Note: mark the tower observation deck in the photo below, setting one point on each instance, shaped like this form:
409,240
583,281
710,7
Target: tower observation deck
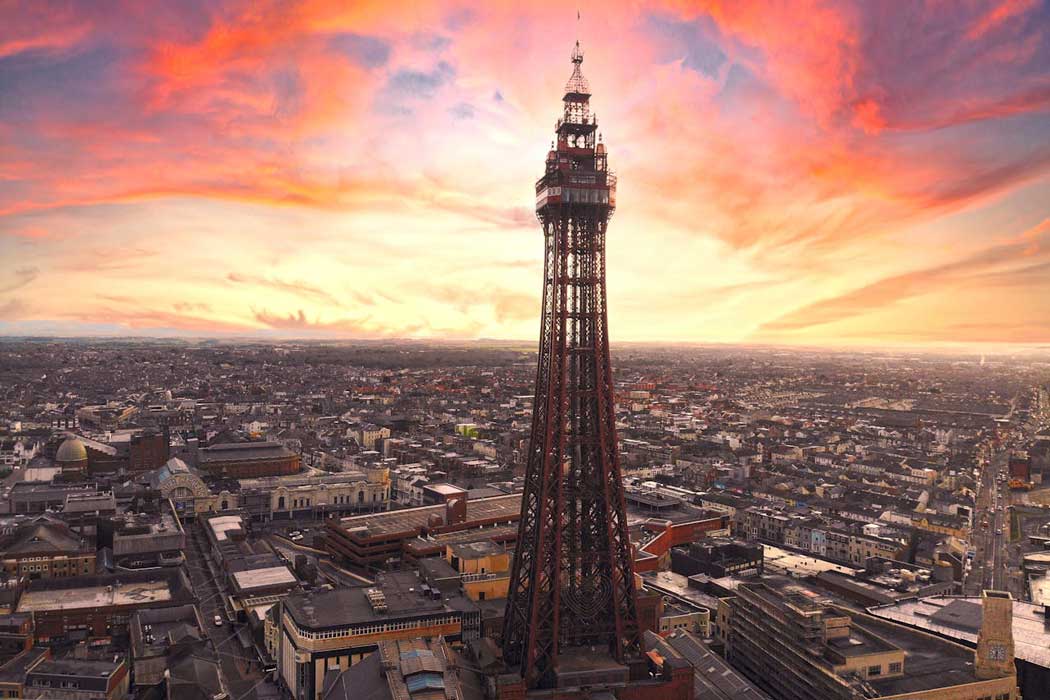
571,618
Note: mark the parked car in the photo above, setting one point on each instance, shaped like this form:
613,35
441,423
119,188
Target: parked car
218,621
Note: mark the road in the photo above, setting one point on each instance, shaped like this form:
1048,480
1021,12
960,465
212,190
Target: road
240,669
994,563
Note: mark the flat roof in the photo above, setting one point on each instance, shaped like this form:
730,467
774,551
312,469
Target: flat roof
1040,589
795,564
262,578
929,664
95,597
223,524
445,489
477,549
410,520
959,618
402,592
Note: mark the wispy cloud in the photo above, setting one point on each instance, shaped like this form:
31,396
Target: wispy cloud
1020,262
296,288
18,278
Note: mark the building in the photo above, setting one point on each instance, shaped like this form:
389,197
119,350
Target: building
675,617
246,460
405,669
30,497
46,547
169,645
78,679
148,450
483,567
72,458
960,618
100,606
13,671
182,486
16,635
141,540
713,678
717,558
797,646
256,577
1020,466
318,494
102,457
322,631
380,540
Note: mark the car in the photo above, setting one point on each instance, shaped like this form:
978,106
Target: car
218,621
999,531
296,537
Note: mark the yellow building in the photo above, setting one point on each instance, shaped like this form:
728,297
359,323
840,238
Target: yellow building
484,568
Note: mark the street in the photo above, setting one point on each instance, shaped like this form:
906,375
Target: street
995,561
240,669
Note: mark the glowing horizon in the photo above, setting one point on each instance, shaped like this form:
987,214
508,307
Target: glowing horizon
811,173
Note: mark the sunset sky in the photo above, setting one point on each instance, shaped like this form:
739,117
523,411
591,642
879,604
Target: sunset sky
843,173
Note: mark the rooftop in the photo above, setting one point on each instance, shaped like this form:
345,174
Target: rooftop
350,606
95,597
476,549
411,520
959,618
713,678
929,663
298,480
240,451
264,578
223,524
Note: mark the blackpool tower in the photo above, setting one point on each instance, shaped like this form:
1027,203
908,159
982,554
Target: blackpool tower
571,608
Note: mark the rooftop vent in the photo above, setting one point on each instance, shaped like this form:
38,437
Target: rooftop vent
377,600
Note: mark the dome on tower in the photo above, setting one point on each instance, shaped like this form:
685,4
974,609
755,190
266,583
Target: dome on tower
71,450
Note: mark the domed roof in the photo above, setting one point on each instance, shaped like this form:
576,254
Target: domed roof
71,450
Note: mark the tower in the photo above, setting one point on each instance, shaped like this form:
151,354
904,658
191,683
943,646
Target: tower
572,591
994,657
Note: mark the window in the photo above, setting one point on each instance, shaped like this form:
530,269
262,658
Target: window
874,670
895,667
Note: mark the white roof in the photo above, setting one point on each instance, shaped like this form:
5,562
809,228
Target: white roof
221,525
262,578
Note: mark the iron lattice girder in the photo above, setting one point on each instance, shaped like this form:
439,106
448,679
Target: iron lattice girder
572,582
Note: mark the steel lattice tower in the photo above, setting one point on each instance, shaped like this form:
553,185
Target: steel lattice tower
572,583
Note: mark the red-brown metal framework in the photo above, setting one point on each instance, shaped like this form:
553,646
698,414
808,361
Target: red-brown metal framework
572,582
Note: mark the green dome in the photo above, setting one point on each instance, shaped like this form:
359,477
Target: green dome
71,450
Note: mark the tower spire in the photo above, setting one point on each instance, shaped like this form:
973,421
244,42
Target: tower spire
577,84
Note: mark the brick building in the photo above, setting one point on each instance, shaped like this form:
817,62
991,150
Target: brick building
246,460
100,606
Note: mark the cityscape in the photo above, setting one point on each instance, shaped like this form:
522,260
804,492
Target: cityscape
834,497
